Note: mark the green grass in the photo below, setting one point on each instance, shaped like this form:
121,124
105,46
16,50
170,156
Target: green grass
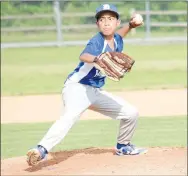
44,70
16,139
69,36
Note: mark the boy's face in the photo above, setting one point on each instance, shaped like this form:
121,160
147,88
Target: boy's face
107,23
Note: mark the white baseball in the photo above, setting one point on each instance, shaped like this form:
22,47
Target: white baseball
138,19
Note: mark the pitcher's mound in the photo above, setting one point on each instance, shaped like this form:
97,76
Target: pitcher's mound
96,161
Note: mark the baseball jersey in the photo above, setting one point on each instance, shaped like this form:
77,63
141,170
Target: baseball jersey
86,73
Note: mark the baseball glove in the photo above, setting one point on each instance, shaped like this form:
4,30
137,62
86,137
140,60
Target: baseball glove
114,65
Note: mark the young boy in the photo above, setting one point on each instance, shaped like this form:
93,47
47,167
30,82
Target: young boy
82,89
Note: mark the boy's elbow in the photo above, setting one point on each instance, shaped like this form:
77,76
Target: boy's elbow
81,59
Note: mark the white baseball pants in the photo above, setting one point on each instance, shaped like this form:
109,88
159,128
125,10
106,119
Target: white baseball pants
77,98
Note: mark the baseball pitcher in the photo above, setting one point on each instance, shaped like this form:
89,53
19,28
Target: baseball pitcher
102,58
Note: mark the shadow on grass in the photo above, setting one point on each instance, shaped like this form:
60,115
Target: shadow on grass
61,156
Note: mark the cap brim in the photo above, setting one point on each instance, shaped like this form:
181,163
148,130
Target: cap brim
99,13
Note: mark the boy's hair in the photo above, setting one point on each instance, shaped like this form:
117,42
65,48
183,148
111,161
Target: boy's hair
99,15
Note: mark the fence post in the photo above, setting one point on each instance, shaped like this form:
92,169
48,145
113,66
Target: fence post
133,30
148,27
58,21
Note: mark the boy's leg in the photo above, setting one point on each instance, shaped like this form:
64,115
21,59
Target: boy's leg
77,98
117,108
76,101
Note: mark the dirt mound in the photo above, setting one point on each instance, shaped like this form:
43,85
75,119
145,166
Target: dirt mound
96,161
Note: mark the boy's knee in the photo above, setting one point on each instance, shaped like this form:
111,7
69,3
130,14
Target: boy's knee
134,112
131,113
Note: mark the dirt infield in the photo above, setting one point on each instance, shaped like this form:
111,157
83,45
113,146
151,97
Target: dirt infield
43,108
96,161
93,161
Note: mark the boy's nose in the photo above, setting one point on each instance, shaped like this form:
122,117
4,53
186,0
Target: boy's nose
106,23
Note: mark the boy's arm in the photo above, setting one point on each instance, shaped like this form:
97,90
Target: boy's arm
135,21
123,31
91,51
86,57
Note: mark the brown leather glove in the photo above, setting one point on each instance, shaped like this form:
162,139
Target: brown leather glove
114,64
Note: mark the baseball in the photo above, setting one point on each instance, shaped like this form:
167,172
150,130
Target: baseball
137,19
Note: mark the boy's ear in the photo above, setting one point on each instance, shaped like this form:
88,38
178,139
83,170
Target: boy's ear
118,22
97,23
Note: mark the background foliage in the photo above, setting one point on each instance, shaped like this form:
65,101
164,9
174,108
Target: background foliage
41,7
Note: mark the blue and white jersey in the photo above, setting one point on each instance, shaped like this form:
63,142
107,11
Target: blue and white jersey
86,73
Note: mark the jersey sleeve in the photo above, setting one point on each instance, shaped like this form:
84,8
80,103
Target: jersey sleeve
92,48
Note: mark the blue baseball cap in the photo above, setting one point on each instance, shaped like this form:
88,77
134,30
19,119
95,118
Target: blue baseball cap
106,8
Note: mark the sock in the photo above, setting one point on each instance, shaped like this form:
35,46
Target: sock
120,145
42,150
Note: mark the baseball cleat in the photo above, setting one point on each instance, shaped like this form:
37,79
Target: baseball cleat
129,149
35,155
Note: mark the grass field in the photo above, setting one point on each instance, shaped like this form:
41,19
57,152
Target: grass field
69,36
16,139
44,70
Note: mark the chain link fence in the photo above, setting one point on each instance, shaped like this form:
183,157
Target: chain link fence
60,23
